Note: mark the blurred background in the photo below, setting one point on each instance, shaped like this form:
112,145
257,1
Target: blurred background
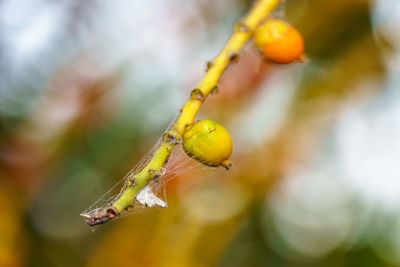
87,87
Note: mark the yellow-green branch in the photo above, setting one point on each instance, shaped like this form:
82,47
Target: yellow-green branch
136,182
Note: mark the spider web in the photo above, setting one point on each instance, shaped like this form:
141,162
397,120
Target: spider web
154,195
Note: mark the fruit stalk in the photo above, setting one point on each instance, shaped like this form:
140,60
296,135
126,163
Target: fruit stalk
135,182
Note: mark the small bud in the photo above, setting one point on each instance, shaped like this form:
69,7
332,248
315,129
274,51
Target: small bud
215,90
197,94
234,57
241,27
209,65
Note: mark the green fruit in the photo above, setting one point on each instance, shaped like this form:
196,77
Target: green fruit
209,143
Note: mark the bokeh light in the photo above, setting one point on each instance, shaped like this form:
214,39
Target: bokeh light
88,87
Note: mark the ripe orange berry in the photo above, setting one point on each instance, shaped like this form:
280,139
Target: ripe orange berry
279,41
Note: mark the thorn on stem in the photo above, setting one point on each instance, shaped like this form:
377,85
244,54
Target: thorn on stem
215,90
241,27
127,208
197,94
171,137
154,173
131,182
234,57
157,173
188,126
209,65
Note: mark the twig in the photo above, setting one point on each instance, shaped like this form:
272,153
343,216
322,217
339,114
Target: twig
136,182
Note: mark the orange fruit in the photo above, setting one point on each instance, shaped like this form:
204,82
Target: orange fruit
279,42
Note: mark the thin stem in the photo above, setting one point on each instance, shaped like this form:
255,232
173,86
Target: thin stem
135,182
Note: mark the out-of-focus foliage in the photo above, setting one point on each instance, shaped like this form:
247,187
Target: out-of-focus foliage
87,87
